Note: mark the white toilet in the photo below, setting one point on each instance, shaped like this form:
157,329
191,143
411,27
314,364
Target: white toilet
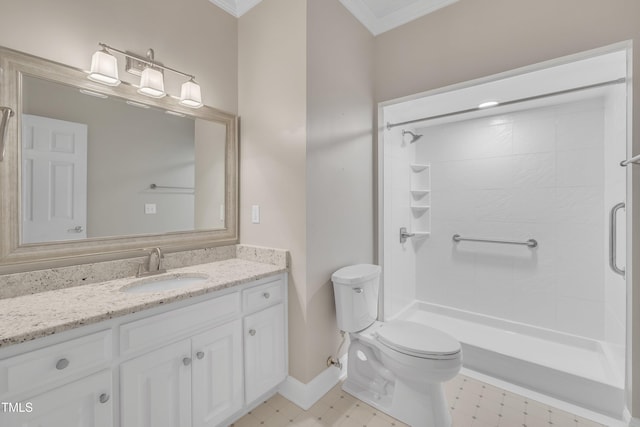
398,366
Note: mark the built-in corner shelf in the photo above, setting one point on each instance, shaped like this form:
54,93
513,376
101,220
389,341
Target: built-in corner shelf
421,199
418,194
419,167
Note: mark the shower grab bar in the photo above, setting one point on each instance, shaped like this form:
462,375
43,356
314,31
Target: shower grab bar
532,243
632,161
169,187
5,114
613,229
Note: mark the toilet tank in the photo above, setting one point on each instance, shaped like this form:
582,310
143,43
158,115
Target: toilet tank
356,294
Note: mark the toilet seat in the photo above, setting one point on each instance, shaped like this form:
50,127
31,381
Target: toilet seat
418,340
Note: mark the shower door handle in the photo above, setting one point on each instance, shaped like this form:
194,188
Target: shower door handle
613,229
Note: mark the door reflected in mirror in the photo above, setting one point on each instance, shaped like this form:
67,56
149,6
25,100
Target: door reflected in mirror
96,166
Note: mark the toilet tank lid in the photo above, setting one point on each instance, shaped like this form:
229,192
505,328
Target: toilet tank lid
355,274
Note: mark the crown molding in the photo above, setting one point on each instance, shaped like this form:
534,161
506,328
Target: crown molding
377,20
236,8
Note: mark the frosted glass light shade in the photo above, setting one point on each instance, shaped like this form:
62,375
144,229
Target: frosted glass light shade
104,68
190,95
152,83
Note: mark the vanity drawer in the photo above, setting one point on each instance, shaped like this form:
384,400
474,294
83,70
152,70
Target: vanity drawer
263,295
55,363
162,328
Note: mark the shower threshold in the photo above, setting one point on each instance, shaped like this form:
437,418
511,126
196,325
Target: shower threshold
578,370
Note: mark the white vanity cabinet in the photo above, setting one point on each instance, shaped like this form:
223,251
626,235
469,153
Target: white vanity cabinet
155,389
86,402
64,384
217,374
195,382
200,362
234,353
265,351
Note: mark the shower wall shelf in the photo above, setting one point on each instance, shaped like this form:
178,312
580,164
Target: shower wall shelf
420,208
421,199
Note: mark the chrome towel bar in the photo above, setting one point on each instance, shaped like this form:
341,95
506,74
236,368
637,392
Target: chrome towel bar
632,161
169,187
532,243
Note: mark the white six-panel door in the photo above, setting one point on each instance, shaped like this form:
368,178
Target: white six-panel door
54,179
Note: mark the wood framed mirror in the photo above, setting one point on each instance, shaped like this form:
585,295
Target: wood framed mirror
94,173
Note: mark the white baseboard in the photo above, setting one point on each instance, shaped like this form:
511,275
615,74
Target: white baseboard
305,395
633,422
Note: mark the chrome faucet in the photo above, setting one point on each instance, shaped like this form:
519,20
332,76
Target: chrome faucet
153,267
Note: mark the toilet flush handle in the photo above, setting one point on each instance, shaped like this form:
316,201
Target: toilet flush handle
358,290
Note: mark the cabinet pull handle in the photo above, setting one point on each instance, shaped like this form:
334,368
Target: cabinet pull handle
104,398
61,364
266,295
252,332
200,355
186,361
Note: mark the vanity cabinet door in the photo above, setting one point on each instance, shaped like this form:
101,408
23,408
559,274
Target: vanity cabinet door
217,374
156,388
265,357
86,402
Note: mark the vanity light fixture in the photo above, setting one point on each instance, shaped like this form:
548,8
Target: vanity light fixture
104,68
152,83
151,77
190,95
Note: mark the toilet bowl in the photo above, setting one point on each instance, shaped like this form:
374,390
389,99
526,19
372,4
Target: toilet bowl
397,366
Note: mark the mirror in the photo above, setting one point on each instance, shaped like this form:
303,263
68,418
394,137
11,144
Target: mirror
99,167
93,172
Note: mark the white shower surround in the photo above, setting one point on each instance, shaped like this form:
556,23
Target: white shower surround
579,211
530,174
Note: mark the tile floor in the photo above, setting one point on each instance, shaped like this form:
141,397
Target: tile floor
473,404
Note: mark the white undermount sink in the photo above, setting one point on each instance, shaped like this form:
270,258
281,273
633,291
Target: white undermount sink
164,283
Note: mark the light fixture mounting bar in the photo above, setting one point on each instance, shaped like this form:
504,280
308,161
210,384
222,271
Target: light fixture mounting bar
145,60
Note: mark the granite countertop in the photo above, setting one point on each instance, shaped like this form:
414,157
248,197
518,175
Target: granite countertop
28,317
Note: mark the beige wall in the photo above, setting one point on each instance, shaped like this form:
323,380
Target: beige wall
340,113
472,39
193,36
272,107
306,107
